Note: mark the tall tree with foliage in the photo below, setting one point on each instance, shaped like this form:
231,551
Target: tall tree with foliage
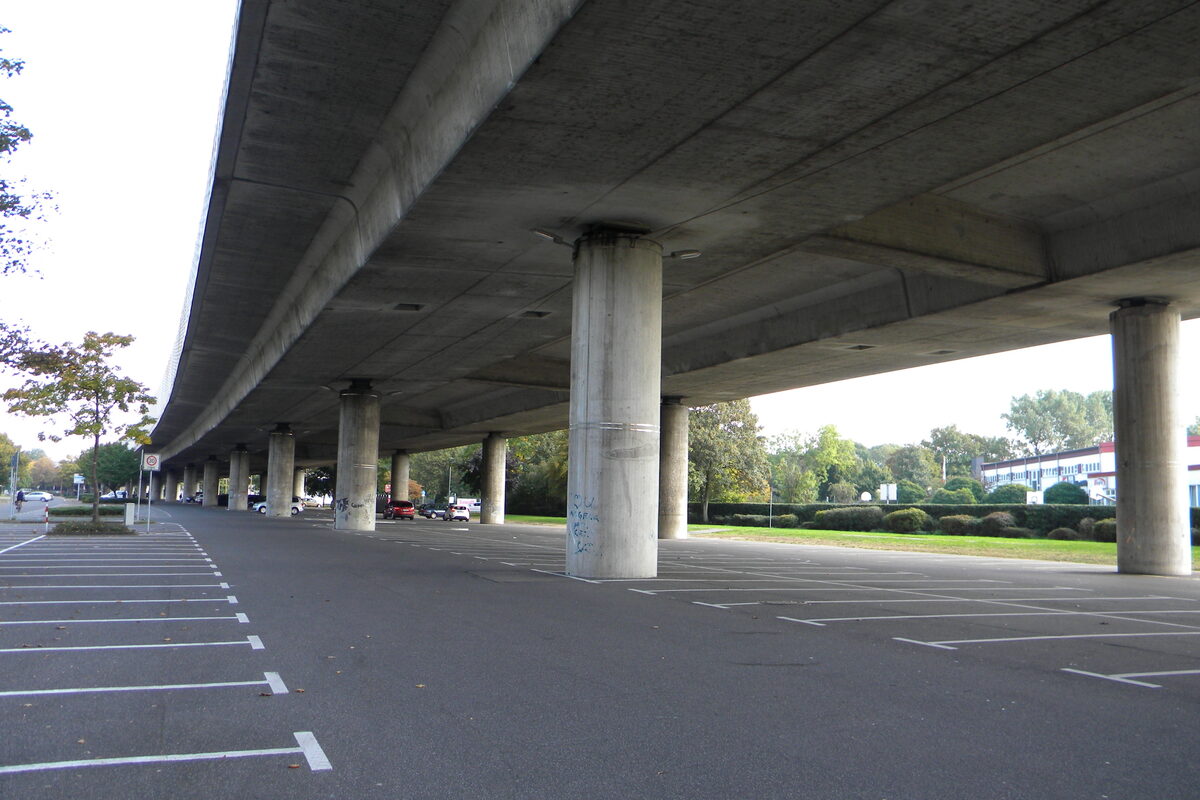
441,471
958,449
725,452
1053,420
15,204
78,382
116,466
916,464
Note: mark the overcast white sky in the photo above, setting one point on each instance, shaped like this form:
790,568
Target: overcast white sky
123,99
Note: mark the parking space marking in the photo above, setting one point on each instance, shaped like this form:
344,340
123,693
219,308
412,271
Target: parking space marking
1128,677
121,586
270,680
230,599
946,643
1048,613
22,544
307,746
109,575
77,620
254,642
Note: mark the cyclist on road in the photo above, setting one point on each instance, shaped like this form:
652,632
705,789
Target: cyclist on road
20,499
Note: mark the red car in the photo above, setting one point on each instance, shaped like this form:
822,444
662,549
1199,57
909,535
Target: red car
399,509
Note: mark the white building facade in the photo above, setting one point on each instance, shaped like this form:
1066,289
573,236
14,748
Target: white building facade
1093,468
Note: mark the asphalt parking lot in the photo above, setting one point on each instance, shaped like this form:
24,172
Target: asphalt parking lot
231,655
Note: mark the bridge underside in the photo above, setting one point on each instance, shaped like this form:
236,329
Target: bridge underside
873,185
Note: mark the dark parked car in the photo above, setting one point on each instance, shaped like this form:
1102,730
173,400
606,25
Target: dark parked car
399,509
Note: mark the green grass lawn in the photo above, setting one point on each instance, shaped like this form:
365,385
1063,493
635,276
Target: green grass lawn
1042,549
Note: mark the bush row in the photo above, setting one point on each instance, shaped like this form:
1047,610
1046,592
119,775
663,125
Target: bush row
86,511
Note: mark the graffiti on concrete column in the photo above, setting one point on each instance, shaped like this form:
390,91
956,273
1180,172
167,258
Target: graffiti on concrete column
581,520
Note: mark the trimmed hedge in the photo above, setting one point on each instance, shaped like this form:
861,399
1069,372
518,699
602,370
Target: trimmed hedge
907,520
959,524
89,528
86,511
850,518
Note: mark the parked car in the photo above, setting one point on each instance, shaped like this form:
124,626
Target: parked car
399,509
198,497
37,494
119,494
457,512
297,506
431,511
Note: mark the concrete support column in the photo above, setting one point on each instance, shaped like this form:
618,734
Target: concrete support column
673,470
239,479
298,482
189,481
495,456
1153,525
400,467
153,487
212,477
358,459
171,485
616,354
281,454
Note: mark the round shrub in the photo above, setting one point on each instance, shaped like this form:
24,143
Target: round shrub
1085,528
959,524
1105,530
953,497
963,482
787,521
1065,493
1066,535
906,520
1009,493
993,523
749,520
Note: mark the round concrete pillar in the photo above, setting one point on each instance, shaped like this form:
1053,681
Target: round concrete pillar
239,479
495,456
171,485
1153,524
358,459
281,454
400,469
298,482
616,354
212,477
153,486
673,470
189,481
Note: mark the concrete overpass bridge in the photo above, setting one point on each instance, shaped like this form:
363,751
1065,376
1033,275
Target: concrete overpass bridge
870,185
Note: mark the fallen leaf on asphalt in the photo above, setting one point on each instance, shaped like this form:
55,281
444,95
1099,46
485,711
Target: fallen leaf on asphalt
420,686
80,741
265,694
299,691
60,628
293,766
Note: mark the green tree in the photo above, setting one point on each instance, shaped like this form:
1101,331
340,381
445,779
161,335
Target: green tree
725,452
959,449
43,472
79,383
909,492
538,472
441,471
1066,493
15,203
1053,420
1194,428
970,484
917,464
1008,493
803,468
961,496
116,466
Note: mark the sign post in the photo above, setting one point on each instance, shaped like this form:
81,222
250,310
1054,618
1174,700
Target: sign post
151,463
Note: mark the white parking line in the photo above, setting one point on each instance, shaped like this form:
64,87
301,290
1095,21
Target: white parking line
945,644
76,620
270,679
308,747
254,642
229,599
22,544
121,586
1051,613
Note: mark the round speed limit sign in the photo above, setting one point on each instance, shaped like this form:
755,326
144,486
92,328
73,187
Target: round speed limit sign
150,461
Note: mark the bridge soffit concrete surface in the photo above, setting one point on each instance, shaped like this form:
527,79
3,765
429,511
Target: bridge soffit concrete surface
873,186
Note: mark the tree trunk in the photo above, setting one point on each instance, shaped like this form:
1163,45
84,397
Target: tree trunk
704,501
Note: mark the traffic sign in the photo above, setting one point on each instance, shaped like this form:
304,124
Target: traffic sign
150,461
